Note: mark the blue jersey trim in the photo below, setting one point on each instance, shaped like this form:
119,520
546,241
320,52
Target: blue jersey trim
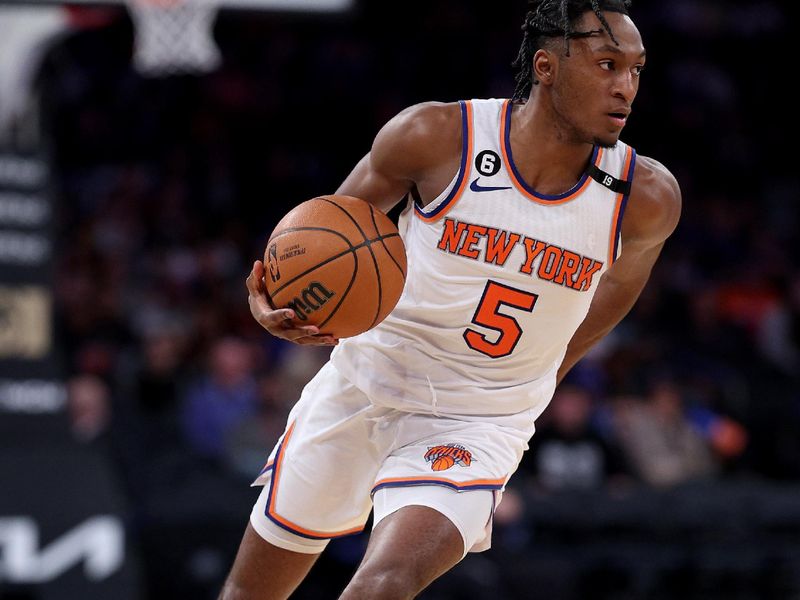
513,167
618,226
453,486
462,171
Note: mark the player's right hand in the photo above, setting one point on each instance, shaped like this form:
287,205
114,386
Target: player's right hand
279,322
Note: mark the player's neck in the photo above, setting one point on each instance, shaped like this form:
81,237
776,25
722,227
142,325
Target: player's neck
543,153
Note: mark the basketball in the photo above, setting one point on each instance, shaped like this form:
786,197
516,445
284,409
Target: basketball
443,463
338,262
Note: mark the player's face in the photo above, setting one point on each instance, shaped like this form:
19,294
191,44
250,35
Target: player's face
595,86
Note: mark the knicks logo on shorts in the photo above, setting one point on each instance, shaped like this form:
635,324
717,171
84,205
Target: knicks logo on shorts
444,457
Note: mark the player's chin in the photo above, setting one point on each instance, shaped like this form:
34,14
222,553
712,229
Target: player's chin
606,140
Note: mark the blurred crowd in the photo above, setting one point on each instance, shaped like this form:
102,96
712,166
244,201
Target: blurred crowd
168,188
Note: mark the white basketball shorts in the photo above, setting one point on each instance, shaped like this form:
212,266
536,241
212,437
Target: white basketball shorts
340,453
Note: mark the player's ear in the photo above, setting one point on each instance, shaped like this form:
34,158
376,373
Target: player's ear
543,66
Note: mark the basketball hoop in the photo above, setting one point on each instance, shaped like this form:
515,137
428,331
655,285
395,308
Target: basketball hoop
174,37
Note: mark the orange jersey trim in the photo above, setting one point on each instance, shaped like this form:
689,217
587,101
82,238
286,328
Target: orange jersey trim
519,184
284,522
616,220
474,484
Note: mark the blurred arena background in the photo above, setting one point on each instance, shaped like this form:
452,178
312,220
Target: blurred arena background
138,398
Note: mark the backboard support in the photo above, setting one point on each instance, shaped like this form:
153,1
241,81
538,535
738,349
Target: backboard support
176,36
306,6
171,37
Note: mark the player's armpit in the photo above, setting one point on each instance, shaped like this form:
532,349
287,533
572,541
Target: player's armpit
614,298
379,189
632,269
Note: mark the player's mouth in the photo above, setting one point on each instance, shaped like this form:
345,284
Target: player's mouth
619,118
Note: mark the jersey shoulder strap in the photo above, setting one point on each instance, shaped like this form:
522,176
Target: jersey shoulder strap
615,170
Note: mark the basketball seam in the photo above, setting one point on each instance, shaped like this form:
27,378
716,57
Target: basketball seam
385,247
352,249
371,252
344,294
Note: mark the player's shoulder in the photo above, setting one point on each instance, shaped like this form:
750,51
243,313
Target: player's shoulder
654,206
425,120
651,175
417,138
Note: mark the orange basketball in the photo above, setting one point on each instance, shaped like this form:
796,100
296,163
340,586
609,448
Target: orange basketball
338,262
443,463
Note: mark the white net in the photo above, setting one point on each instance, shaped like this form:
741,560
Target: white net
174,37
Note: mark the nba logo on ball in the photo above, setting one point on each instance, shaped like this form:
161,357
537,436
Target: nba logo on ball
338,263
272,263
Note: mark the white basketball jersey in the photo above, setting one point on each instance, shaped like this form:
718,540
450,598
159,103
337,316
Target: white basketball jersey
499,278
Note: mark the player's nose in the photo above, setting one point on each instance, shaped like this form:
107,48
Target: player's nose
625,86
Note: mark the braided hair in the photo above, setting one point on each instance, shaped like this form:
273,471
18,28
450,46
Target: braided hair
556,18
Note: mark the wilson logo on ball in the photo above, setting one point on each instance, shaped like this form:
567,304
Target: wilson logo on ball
312,298
445,456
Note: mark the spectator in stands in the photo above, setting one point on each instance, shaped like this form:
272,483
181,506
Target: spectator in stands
222,399
662,445
88,406
245,442
778,334
567,452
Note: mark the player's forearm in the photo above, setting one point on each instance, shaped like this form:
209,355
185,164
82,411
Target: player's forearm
610,305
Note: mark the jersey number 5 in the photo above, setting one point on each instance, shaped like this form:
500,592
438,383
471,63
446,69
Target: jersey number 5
487,315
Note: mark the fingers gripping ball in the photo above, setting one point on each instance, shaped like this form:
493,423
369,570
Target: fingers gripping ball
338,262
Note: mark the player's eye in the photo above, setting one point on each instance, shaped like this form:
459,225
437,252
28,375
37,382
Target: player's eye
637,70
607,65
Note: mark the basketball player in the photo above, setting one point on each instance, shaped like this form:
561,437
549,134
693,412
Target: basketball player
530,232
